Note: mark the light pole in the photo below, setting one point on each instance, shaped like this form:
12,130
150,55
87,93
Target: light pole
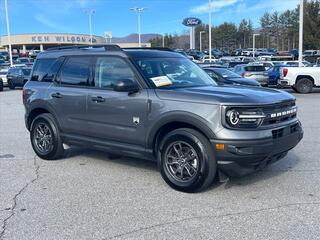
209,8
138,10
8,32
90,12
301,33
163,40
201,39
254,44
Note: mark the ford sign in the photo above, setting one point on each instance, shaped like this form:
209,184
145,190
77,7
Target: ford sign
191,22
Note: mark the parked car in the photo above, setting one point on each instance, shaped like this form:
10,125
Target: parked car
24,60
18,76
4,64
197,55
3,76
33,53
301,79
253,71
311,52
226,77
156,105
274,74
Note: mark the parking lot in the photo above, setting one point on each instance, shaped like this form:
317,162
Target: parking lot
89,196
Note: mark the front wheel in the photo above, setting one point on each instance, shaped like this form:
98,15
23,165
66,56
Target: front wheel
186,160
11,85
45,137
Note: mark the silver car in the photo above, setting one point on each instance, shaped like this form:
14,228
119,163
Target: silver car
3,76
257,72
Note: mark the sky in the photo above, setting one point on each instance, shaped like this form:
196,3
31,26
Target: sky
160,16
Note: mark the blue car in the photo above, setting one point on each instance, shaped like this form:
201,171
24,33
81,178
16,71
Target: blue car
274,74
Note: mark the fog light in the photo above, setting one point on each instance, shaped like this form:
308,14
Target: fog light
220,146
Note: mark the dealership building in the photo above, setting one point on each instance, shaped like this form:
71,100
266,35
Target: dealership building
27,42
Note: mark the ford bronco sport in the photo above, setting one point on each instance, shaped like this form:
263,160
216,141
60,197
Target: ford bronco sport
157,105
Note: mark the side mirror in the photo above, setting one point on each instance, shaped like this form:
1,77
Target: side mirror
126,85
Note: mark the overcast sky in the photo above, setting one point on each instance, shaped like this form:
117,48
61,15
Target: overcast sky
160,16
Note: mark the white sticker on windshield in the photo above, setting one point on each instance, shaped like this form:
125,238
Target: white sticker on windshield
161,81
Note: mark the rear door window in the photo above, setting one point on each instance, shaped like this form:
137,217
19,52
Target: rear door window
255,68
76,71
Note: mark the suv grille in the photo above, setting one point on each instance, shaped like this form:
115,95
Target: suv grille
279,113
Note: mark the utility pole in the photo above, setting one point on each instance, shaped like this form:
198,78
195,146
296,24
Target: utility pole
8,32
201,39
301,33
90,12
138,11
209,8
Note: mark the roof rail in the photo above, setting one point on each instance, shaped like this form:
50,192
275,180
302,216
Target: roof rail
107,47
150,48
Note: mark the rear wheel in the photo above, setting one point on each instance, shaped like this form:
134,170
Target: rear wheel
304,85
186,160
45,137
11,85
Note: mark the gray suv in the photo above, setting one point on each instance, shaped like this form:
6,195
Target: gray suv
157,105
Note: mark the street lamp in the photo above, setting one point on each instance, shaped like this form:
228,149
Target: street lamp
90,12
254,44
138,10
209,9
201,39
301,33
8,32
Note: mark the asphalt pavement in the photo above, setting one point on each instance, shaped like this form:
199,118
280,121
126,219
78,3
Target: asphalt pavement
87,195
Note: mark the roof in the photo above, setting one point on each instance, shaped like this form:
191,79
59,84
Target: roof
113,50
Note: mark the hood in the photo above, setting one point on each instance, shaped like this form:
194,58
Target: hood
245,81
226,94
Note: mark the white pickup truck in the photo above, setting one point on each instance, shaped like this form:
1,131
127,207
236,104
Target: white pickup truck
301,79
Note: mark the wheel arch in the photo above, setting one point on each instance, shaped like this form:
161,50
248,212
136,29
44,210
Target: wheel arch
35,112
303,77
171,122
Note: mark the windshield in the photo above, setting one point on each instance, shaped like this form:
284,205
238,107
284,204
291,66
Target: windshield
26,71
225,73
170,73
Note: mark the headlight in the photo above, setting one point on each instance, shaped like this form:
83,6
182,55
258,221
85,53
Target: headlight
242,118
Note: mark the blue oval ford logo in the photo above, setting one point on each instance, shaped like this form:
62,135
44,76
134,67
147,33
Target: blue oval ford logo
191,22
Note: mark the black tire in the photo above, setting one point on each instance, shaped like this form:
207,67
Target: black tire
294,88
11,85
1,86
47,123
304,85
203,165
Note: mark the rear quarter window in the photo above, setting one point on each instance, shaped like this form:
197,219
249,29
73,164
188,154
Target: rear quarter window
41,68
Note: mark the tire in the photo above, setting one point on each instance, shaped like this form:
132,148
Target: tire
1,86
45,137
196,162
11,85
294,88
304,85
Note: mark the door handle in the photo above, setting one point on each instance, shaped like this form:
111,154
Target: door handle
98,99
56,95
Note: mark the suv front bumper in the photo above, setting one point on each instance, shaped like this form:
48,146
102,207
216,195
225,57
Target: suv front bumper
241,157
